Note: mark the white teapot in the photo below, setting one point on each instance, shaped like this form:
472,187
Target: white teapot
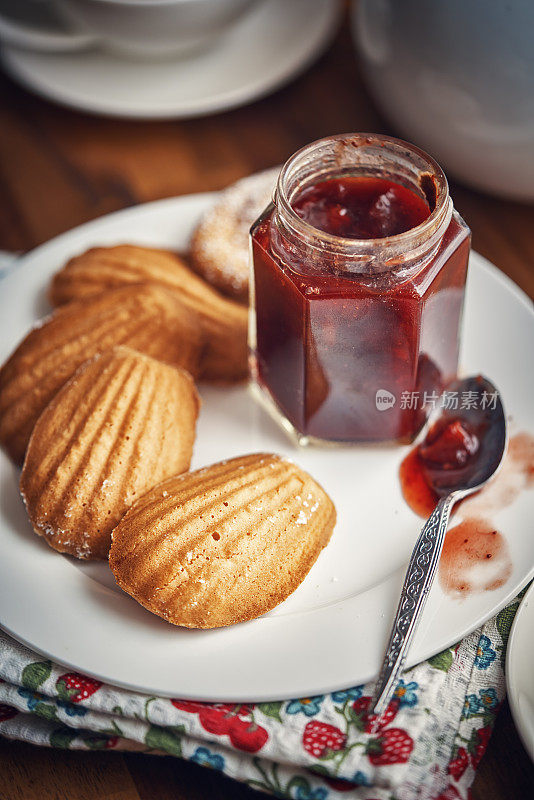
457,78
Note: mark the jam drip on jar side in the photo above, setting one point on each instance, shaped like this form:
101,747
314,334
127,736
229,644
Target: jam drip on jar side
361,207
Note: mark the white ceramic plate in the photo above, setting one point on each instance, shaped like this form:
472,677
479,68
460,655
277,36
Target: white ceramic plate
520,671
331,632
271,45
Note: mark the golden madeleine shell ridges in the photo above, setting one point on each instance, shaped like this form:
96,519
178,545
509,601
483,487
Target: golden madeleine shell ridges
146,318
223,320
120,425
223,544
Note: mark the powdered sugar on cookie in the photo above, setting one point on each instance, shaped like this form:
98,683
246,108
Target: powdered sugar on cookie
219,247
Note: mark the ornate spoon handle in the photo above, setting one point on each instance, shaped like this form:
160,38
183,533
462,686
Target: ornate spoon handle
417,583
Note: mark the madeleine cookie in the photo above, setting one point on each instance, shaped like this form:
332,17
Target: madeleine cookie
223,321
121,424
146,318
219,247
223,544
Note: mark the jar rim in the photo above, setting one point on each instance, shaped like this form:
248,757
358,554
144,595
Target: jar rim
425,229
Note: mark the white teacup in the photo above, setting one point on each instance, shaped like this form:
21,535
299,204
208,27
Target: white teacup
136,28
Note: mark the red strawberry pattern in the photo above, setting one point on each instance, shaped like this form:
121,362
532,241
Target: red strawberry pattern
75,687
321,737
225,719
458,764
352,730
370,723
7,712
214,720
111,742
393,746
450,793
339,785
247,736
482,737
187,705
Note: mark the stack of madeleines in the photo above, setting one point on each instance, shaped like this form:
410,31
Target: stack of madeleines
99,405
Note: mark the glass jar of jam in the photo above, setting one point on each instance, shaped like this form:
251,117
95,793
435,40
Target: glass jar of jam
359,270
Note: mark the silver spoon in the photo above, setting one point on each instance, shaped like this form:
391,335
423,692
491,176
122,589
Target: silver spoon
487,419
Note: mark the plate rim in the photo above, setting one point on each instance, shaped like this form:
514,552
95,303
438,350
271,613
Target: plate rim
525,733
168,204
225,697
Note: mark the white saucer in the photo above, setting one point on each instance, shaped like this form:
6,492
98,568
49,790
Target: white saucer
271,45
331,632
520,671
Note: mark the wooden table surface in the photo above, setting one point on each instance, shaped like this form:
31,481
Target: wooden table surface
59,168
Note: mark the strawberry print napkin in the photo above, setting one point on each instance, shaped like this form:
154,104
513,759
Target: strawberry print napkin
426,746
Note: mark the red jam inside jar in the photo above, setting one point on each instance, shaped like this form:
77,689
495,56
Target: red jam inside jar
359,274
359,207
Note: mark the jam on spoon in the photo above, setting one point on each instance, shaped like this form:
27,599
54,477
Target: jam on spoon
450,449
449,444
464,452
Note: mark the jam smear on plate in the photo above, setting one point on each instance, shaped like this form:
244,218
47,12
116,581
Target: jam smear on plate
475,555
475,558
415,472
416,491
